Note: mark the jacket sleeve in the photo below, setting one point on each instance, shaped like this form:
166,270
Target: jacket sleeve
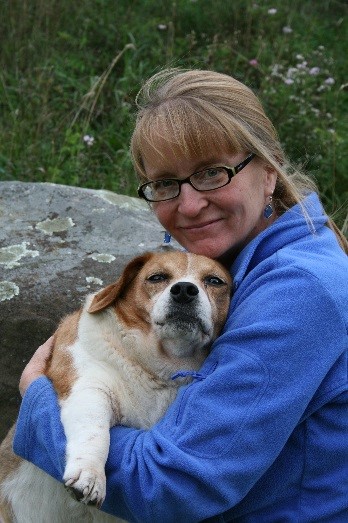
224,431
39,435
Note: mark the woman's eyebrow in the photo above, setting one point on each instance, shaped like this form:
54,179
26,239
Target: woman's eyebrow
210,162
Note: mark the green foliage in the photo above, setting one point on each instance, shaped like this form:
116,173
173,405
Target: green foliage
69,72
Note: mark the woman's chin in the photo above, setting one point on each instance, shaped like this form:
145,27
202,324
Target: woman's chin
204,248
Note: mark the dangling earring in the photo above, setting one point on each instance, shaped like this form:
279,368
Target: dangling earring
167,237
268,211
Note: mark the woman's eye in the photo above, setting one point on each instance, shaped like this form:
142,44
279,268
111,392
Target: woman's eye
157,278
214,280
211,176
163,184
210,173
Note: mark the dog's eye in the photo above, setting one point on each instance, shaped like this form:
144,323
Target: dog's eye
159,277
214,280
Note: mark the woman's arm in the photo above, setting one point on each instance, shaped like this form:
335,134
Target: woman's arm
36,366
39,435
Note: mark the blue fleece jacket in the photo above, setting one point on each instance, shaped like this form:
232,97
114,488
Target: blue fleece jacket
262,436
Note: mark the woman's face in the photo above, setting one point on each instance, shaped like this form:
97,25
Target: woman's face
218,222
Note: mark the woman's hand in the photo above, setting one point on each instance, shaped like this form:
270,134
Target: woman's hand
36,366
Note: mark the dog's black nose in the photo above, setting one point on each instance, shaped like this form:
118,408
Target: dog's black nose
184,291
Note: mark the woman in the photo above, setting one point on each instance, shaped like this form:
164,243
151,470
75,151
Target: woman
264,436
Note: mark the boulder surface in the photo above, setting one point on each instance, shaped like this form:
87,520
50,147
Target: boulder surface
57,244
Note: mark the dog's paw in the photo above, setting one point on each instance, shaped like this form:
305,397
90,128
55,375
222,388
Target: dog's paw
86,485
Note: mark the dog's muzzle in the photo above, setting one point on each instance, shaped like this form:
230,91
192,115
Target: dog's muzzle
185,309
183,320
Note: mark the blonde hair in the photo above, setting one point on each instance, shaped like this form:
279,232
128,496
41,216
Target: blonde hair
197,110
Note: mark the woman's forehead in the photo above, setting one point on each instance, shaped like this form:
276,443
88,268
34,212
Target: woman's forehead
184,125
162,144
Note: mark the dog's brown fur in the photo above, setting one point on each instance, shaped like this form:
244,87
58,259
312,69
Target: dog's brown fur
119,332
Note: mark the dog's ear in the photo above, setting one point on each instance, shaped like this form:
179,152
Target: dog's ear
116,290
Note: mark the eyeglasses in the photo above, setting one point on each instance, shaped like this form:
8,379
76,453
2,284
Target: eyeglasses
206,180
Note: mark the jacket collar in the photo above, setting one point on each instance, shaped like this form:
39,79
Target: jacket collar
291,226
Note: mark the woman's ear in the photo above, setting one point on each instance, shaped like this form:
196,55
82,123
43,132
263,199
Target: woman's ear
270,179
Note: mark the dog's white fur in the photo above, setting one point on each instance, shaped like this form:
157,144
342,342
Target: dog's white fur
111,364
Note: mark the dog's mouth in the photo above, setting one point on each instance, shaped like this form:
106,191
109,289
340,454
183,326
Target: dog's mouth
184,325
187,326
183,336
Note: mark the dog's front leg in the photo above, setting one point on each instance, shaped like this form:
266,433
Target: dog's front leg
87,416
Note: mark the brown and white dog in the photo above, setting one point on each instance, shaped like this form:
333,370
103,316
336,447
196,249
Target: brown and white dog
111,364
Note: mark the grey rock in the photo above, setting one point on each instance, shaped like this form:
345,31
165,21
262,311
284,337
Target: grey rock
57,244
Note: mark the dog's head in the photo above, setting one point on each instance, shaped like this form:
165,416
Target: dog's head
179,298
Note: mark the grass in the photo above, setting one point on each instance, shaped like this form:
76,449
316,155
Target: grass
71,70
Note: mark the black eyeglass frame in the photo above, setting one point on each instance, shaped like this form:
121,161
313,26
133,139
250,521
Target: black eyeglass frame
231,171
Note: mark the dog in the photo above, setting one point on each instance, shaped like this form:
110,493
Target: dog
112,363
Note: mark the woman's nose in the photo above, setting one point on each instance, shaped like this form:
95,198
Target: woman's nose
190,201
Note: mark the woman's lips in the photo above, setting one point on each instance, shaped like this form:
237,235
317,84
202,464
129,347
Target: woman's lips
200,227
